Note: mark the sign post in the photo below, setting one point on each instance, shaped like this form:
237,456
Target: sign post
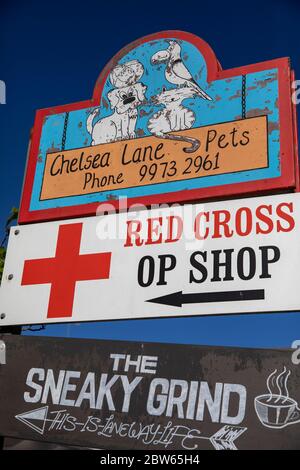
165,125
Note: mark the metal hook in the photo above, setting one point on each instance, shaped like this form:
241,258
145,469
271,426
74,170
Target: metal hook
2,353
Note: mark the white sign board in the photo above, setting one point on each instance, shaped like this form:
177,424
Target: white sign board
227,257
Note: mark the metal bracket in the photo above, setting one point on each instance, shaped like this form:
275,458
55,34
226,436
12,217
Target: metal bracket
2,353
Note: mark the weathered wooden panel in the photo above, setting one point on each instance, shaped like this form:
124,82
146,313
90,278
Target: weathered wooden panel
127,395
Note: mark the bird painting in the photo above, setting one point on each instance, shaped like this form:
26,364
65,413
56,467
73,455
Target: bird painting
176,71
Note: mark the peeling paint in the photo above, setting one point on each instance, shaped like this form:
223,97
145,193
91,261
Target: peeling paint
201,72
105,103
142,112
140,133
273,126
237,95
52,149
258,112
266,81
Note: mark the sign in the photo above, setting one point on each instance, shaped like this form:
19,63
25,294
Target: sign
237,256
165,124
126,395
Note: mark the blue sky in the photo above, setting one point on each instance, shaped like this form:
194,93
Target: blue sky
51,54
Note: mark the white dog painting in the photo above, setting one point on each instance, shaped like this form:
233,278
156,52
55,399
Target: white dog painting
124,99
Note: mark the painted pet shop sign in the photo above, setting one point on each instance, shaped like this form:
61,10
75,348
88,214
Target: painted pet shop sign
165,124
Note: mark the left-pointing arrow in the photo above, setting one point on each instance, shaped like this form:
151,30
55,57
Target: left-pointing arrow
35,419
177,299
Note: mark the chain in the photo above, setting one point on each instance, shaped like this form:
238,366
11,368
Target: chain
243,96
63,142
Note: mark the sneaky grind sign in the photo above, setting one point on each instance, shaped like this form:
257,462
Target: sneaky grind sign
238,256
165,124
126,395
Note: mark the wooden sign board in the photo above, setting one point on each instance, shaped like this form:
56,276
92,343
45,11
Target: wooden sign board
151,396
165,124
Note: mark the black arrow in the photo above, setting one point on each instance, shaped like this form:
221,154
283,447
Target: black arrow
178,298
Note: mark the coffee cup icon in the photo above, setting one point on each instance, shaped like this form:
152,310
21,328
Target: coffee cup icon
276,411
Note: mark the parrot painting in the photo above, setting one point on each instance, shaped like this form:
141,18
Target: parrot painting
176,71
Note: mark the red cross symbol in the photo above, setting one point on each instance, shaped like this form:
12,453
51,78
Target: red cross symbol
65,269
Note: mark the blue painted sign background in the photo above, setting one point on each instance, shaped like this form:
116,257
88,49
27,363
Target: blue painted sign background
226,105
